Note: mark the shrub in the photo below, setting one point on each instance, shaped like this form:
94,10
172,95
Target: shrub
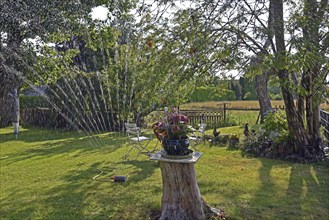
210,93
272,140
32,102
276,122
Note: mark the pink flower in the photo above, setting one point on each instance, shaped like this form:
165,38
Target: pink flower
184,118
173,126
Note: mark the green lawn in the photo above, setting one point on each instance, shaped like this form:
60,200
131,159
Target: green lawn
49,174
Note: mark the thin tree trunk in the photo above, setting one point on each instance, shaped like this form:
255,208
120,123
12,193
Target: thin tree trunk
262,95
301,100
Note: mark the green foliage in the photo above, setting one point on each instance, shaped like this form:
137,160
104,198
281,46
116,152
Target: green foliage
107,70
275,96
274,90
248,91
32,102
273,140
209,93
276,122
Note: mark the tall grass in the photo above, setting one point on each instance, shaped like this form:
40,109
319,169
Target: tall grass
236,104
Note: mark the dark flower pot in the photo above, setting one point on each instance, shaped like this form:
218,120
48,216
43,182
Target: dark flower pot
176,147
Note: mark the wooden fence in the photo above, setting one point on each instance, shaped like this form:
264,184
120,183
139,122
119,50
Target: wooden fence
324,118
201,116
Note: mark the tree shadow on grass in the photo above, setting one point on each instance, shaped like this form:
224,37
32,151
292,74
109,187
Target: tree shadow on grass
302,198
286,191
77,195
64,201
35,134
65,144
142,169
264,199
103,198
308,190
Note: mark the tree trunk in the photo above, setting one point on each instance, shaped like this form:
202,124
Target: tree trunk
181,198
260,83
314,14
262,95
295,124
301,99
10,81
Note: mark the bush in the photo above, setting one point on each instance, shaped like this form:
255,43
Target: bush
272,140
42,117
32,102
276,122
210,93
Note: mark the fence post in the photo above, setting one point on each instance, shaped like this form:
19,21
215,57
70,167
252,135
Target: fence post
225,113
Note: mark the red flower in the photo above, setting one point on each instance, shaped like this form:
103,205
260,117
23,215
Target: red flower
174,126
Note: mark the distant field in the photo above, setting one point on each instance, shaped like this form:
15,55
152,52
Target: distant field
235,104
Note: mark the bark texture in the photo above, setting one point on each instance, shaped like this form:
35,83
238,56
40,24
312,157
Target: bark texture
295,124
262,95
181,198
260,83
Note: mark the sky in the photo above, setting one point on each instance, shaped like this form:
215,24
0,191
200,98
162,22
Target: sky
99,13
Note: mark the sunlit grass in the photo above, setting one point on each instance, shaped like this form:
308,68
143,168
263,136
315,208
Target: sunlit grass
48,174
252,104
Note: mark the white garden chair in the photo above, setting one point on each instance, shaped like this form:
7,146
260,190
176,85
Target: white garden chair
138,141
197,136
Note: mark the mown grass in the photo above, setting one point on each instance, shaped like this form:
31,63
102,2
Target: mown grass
48,174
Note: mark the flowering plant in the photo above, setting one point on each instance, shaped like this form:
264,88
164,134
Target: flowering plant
173,126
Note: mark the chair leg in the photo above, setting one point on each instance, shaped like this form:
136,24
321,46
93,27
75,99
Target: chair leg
143,148
196,143
156,146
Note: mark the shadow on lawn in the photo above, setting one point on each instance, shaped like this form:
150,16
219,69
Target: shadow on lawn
71,199
34,134
62,202
78,197
302,199
302,193
81,197
63,143
144,169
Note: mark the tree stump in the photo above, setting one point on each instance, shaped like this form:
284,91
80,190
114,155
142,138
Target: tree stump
181,198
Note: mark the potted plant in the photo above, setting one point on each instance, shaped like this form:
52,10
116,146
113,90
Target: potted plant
172,131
